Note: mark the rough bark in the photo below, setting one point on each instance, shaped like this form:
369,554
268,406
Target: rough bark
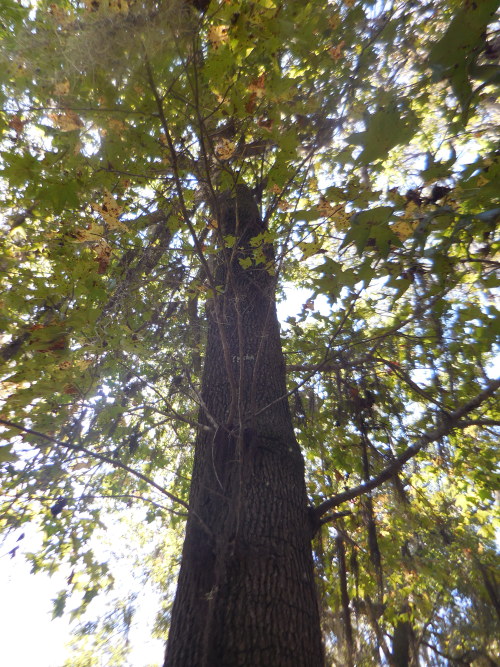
246,593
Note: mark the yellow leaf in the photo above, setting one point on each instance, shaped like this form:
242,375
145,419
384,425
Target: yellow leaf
258,86
412,210
324,207
66,121
59,14
110,210
117,125
61,88
93,234
224,149
334,21
112,6
403,229
118,6
92,5
309,248
103,251
218,35
406,226
336,214
482,180
84,363
81,466
16,124
8,388
341,220
336,51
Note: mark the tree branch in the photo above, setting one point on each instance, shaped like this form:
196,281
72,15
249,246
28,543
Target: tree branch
333,364
106,459
334,516
450,422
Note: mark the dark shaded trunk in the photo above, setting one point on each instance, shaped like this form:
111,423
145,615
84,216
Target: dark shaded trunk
401,641
246,593
401,644
344,597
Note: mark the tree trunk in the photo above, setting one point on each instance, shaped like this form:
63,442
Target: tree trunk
246,593
401,641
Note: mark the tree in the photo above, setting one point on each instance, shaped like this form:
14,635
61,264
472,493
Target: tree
169,170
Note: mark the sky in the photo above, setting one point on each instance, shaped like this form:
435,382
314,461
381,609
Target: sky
29,636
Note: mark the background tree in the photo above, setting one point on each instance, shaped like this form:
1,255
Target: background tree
167,169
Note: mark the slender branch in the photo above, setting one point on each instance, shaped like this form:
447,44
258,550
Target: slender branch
330,366
334,516
397,370
106,459
175,171
91,496
175,416
417,312
146,262
450,422
127,496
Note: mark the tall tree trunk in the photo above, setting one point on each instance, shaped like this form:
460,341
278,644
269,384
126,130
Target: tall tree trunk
246,593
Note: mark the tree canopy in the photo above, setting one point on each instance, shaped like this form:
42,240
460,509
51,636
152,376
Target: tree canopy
367,132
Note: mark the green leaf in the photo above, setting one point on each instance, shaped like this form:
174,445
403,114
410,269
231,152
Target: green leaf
60,195
309,248
245,262
453,56
387,127
6,454
368,226
463,36
306,215
59,604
